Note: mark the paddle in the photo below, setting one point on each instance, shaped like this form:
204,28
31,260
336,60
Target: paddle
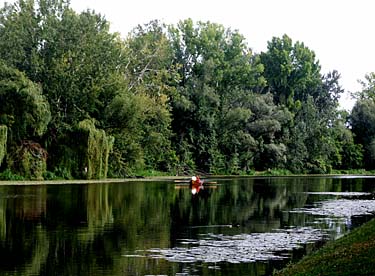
185,187
187,183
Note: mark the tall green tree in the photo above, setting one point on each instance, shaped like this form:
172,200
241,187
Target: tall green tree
73,56
347,153
23,109
368,88
151,80
362,119
20,37
26,114
216,67
308,147
363,127
291,70
254,130
294,78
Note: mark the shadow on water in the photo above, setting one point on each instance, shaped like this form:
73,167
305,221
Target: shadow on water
243,226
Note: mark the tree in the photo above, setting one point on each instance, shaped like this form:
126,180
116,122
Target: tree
363,126
216,69
3,142
347,153
25,113
327,94
291,70
73,57
293,77
310,144
20,37
82,66
368,88
175,98
149,61
138,125
151,82
24,110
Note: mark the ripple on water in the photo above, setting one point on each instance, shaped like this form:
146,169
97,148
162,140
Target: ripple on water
347,194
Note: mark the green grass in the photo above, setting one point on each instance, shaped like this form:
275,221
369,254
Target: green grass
274,172
353,172
353,254
284,172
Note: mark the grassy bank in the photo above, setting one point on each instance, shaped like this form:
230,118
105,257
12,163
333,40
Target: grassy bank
280,172
353,254
8,175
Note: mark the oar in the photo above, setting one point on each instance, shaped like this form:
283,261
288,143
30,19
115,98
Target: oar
204,187
187,183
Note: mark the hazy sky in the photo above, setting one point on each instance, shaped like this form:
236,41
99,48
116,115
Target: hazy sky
340,32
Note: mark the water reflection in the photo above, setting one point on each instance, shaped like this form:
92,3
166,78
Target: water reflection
243,226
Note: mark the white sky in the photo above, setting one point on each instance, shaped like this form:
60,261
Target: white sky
340,32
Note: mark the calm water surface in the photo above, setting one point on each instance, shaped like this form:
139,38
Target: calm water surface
241,226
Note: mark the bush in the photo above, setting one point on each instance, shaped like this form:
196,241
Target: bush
9,175
29,160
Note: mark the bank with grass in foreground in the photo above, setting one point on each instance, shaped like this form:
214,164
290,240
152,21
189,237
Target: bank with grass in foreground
352,254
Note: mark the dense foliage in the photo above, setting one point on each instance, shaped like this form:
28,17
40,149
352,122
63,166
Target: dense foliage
169,98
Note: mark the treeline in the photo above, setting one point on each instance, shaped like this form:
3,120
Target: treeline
77,101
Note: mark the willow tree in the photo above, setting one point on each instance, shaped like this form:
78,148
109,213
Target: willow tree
3,142
26,114
97,146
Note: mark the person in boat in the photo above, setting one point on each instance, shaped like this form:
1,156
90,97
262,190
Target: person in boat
195,184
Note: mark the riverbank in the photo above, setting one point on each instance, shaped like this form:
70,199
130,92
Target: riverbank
9,178
168,178
352,254
85,181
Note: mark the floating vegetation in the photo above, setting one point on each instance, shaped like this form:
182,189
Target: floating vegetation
346,194
344,208
212,226
243,248
133,256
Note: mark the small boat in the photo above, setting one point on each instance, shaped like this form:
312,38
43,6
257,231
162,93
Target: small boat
195,184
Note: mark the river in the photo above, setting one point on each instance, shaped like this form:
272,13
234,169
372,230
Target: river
234,226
